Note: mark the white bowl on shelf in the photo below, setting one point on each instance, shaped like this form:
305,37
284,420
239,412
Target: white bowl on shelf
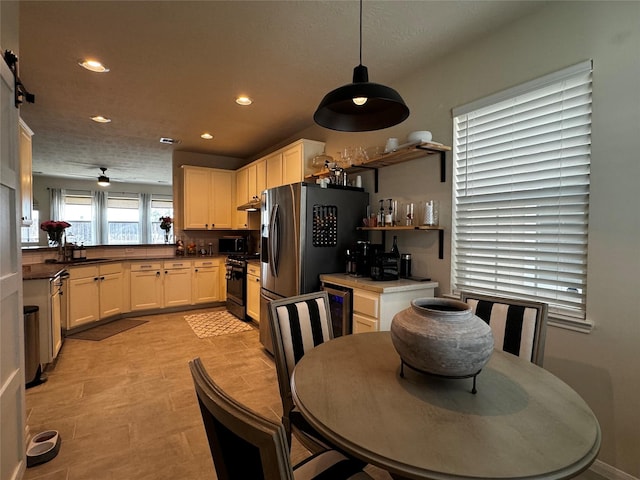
420,136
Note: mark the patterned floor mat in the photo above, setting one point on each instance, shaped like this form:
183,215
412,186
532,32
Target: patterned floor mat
212,324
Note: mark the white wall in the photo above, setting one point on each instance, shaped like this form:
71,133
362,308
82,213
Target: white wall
604,365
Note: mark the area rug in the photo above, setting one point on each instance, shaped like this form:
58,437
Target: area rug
107,330
212,324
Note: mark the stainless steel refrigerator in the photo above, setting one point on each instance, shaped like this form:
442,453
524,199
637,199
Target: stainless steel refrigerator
305,231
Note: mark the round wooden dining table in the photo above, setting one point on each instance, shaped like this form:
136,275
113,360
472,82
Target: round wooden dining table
523,422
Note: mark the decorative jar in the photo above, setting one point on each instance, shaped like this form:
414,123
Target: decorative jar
442,337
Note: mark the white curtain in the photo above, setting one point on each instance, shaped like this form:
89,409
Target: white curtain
145,218
99,212
56,203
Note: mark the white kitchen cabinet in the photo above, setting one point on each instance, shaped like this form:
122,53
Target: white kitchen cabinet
253,291
111,288
176,283
242,197
84,296
207,202
206,281
96,292
261,178
146,286
274,170
26,178
291,163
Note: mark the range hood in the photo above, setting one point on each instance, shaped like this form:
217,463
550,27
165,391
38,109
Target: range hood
251,206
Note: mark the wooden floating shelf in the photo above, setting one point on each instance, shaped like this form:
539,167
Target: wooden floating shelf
384,230
401,227
404,154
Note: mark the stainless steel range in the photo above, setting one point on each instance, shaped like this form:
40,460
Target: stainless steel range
236,266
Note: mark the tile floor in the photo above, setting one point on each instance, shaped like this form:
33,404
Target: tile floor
126,409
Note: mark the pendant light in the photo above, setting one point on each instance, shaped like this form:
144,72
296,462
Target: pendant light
361,106
103,180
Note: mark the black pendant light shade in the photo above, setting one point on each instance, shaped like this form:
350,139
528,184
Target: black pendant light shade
361,106
383,108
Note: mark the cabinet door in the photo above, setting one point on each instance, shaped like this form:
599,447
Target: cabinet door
84,301
261,177
197,198
253,297
274,170
206,284
56,323
111,295
221,200
146,290
362,324
177,287
242,196
292,165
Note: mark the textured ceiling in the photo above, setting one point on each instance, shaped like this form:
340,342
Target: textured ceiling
176,67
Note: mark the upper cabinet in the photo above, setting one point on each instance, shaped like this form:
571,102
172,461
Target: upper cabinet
207,200
24,149
289,164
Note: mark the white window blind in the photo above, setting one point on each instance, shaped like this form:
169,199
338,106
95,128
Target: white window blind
521,192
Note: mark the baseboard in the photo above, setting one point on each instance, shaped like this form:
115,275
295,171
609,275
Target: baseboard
607,471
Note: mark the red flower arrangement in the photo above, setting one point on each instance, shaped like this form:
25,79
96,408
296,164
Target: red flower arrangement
54,230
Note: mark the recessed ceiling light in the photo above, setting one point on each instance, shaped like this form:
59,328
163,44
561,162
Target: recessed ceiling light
243,100
206,136
93,65
100,119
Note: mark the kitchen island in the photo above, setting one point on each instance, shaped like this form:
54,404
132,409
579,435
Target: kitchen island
375,303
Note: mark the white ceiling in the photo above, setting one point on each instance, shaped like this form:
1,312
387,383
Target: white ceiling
176,67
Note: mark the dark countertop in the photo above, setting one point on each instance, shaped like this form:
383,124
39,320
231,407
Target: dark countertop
39,271
42,271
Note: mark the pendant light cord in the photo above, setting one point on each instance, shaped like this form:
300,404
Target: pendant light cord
360,32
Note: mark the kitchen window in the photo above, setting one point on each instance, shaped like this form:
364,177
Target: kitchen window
111,218
521,193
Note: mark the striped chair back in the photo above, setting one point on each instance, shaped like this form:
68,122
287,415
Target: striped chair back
518,326
302,323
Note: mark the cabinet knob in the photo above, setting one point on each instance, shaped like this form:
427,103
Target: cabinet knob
101,278
196,270
95,279
157,274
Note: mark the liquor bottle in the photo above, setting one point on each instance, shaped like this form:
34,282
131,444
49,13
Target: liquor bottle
394,247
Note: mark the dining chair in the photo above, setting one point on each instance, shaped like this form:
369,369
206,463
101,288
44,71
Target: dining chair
518,326
298,324
246,445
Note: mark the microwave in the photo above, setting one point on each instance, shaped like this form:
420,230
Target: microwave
232,245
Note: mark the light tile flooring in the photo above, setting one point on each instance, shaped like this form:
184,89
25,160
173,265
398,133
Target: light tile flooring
125,406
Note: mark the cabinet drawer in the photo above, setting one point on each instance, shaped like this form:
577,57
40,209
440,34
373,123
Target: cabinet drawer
140,267
253,269
109,268
206,263
366,303
363,324
82,272
170,264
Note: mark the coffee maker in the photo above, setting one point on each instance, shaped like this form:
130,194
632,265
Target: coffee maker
359,259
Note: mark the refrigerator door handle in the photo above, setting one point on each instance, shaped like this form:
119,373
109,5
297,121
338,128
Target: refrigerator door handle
274,241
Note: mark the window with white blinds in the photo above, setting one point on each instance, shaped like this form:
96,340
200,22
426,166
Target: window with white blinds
521,192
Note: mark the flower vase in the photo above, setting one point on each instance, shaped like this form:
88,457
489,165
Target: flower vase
166,237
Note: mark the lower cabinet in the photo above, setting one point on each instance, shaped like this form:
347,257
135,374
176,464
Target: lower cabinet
176,283
95,292
146,286
253,291
373,311
206,281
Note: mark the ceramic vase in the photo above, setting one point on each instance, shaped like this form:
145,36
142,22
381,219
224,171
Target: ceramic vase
442,337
